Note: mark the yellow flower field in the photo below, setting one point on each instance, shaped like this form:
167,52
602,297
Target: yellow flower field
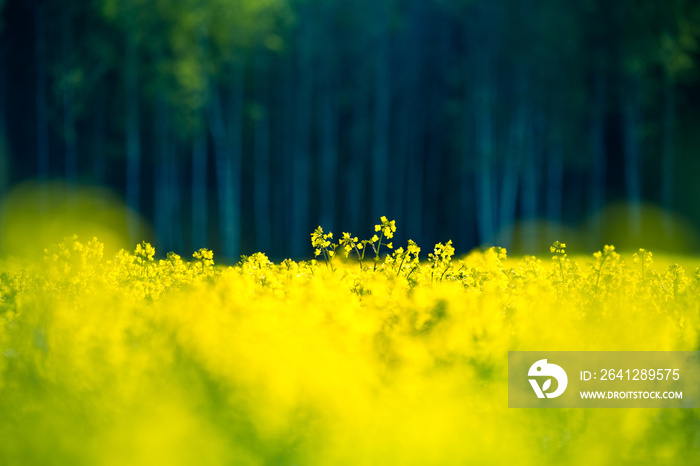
391,356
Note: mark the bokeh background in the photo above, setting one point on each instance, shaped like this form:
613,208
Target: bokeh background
241,125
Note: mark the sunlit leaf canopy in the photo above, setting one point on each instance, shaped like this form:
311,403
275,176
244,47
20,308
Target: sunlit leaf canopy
191,43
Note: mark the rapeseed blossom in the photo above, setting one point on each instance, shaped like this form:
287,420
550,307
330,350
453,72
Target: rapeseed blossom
145,359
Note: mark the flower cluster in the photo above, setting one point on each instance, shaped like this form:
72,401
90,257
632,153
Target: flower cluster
440,260
322,245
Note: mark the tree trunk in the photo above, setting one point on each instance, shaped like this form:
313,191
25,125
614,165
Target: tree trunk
328,124
68,94
467,211
667,165
263,215
355,171
484,146
407,166
4,156
227,136
99,138
161,177
381,117
199,186
415,174
301,189
433,154
432,159
41,93
174,195
399,209
531,168
133,137
286,184
631,115
597,197
511,169
233,163
554,185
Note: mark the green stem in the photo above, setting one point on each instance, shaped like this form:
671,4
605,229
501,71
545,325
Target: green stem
443,273
660,282
600,268
561,270
376,251
412,270
401,266
358,255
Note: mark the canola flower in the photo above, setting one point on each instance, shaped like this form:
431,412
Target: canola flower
135,360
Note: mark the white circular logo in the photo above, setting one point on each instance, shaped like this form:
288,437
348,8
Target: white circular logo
542,369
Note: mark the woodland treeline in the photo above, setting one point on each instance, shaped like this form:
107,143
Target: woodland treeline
241,125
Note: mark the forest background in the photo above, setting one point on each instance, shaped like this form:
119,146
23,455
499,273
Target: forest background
241,125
